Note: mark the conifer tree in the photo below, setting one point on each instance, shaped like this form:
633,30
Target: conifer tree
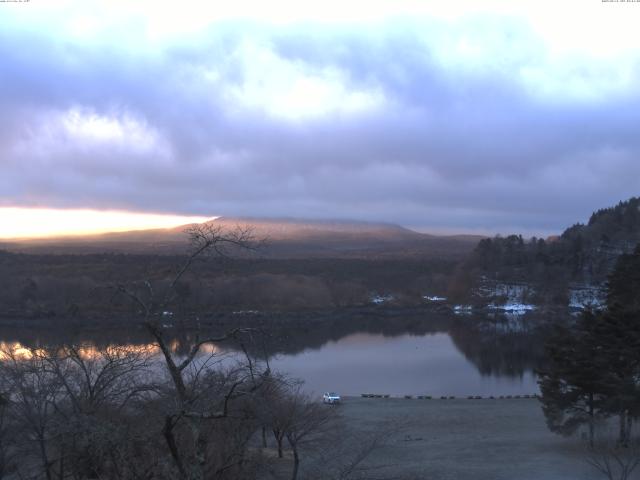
618,333
624,284
593,368
572,383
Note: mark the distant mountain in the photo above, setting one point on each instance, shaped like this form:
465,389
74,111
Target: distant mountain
285,238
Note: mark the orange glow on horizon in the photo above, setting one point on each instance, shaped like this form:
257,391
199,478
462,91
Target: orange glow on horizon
89,351
19,222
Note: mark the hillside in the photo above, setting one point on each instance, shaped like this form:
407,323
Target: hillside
304,265
285,238
581,258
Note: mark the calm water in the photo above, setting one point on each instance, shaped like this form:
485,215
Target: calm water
400,356
402,365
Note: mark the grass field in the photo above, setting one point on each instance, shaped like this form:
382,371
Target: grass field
463,439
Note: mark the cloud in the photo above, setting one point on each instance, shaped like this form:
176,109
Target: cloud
433,122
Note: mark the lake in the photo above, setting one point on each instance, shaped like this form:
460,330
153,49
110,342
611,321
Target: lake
490,355
428,364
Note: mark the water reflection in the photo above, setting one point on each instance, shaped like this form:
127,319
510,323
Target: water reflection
400,365
502,345
407,354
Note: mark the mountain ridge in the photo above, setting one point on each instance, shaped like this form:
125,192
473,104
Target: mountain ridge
295,237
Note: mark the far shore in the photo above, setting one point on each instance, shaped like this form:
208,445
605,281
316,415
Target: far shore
258,318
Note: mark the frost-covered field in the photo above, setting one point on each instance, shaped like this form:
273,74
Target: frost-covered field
467,439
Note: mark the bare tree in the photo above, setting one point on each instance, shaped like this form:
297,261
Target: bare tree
191,378
96,377
205,239
612,460
273,409
71,406
6,461
200,395
32,395
307,421
97,385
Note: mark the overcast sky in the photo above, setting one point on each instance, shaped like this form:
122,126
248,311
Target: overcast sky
513,116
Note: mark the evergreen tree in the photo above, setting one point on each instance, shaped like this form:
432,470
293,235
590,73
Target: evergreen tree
594,366
572,383
624,284
618,336
618,332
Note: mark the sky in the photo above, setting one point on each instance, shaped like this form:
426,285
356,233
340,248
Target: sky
466,116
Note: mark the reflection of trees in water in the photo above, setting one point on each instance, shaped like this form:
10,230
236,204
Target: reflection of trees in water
287,334
501,345
297,338
180,341
40,337
497,345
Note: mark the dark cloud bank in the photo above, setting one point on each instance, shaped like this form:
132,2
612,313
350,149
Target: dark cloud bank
440,147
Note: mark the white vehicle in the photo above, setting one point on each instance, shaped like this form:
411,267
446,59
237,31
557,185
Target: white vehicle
331,397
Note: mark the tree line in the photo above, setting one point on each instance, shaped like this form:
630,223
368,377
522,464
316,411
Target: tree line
583,253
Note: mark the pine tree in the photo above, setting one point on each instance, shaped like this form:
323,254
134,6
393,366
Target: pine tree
618,335
572,383
618,332
624,284
593,367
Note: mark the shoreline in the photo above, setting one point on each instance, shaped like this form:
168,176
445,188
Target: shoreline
276,318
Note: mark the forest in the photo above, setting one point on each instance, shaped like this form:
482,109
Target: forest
583,254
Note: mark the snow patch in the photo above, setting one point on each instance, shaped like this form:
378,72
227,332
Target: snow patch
514,308
587,296
380,299
510,293
462,309
434,298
